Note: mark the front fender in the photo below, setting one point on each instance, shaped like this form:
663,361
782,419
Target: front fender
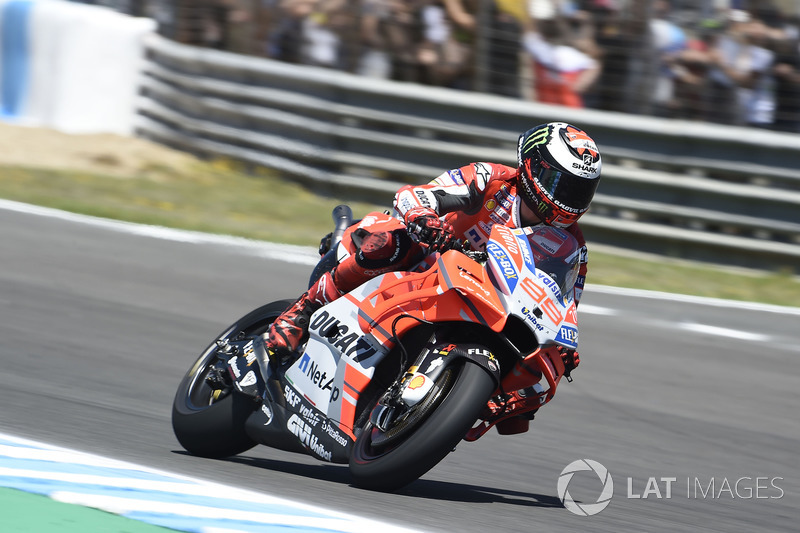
440,356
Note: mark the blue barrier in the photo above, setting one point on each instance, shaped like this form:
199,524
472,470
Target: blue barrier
15,56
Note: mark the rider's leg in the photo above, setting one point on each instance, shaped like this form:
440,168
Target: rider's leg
379,253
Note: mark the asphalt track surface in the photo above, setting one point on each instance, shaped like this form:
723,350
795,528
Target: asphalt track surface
97,327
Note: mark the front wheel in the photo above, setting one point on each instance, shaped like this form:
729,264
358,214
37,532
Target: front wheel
205,422
464,390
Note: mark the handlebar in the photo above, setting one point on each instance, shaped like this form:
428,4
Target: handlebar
342,218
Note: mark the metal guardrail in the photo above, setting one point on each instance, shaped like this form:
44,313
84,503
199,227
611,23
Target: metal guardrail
692,190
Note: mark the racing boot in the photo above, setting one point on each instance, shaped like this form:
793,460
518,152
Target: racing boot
290,329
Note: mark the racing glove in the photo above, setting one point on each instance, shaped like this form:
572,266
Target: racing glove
571,360
425,227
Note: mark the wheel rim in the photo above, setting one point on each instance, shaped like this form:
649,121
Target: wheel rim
379,443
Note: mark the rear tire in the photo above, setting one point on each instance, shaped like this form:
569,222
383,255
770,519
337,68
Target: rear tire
398,464
214,428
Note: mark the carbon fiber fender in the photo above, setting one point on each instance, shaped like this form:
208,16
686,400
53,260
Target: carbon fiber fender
439,356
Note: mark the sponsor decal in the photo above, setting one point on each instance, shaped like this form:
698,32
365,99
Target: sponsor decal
436,363
504,262
529,316
538,137
234,366
417,382
478,286
352,345
550,240
548,282
583,145
585,168
333,433
482,172
497,218
456,176
311,369
542,206
310,415
248,379
509,240
504,198
292,398
568,335
302,431
423,198
447,349
525,249
490,204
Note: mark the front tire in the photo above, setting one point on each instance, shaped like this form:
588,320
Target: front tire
212,426
398,464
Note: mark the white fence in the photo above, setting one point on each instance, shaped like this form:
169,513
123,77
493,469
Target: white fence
692,190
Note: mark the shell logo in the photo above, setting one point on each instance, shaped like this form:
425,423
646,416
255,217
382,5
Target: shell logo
417,382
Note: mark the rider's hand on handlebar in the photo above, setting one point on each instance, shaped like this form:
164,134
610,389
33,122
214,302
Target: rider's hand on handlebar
425,227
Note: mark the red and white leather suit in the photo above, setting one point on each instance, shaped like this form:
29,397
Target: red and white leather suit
472,199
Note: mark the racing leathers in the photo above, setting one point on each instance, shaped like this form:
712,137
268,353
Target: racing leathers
471,199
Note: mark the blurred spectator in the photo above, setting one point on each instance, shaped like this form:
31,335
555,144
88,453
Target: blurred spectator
446,52
285,29
787,83
562,72
375,59
389,36
743,71
668,41
309,32
503,35
692,69
621,36
321,34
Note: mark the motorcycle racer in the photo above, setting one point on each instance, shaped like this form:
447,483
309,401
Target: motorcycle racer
558,170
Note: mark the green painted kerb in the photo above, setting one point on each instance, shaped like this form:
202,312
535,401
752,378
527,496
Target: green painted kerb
23,512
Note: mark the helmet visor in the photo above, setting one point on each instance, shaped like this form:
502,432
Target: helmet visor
567,191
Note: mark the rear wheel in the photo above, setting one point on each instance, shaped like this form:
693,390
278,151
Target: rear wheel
389,460
210,422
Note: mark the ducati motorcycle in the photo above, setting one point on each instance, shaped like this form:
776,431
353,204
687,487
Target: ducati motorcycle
400,370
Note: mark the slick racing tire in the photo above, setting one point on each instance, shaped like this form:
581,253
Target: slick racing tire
463,393
212,425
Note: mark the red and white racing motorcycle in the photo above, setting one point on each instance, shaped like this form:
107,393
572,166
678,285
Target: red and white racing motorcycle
401,369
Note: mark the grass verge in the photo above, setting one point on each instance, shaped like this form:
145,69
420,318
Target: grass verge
219,198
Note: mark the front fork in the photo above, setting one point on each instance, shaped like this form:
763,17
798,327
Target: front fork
419,379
